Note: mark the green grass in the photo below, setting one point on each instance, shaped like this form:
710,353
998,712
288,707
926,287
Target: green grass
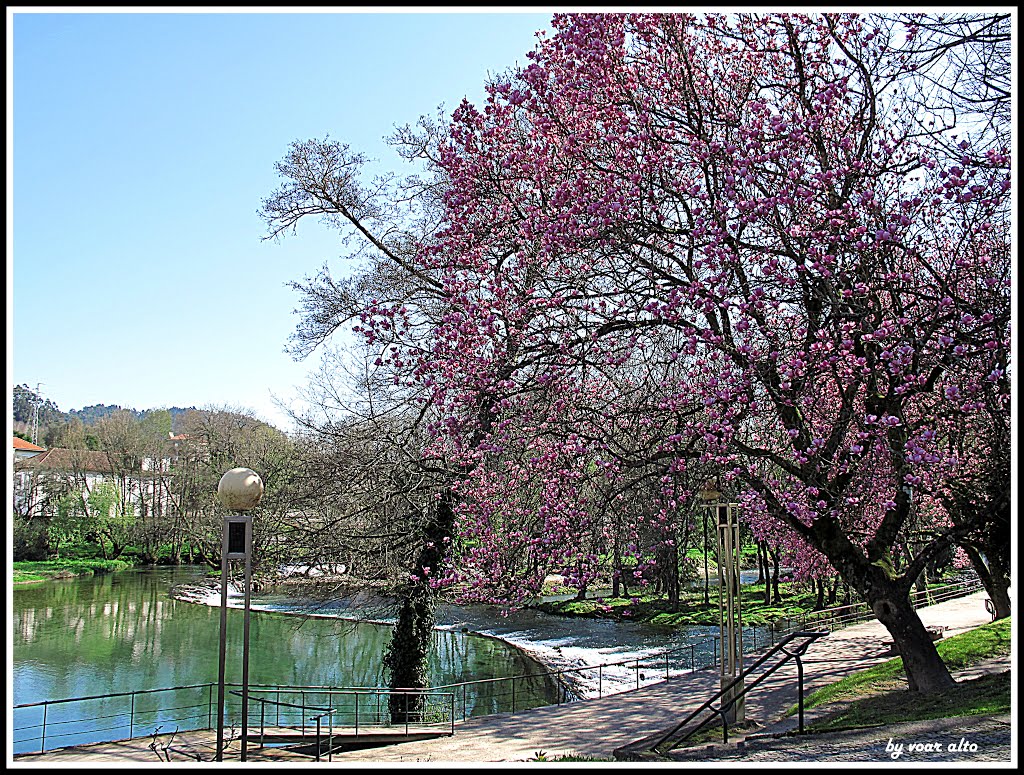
958,652
45,570
879,695
985,695
653,609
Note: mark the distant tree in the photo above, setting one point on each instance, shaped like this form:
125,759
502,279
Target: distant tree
110,518
90,414
69,524
25,402
217,440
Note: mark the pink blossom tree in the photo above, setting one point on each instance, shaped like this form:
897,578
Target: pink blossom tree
758,186
734,237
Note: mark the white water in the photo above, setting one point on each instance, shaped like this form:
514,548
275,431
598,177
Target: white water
558,643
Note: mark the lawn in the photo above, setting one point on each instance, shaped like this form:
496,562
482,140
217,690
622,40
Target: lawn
45,570
879,695
653,609
985,695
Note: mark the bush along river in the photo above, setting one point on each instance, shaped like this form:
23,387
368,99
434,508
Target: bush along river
124,632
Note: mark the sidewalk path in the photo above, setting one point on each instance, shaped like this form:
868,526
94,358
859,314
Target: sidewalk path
595,728
966,739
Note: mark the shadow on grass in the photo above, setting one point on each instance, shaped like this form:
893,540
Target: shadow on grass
986,695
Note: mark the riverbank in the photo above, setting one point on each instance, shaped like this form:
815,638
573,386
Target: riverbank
597,729
573,648
692,610
30,572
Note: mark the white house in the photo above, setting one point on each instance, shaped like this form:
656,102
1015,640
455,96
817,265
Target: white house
84,469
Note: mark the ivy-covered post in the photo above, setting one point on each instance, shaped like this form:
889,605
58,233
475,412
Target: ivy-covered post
406,655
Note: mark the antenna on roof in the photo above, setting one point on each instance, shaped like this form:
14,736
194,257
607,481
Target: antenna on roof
35,415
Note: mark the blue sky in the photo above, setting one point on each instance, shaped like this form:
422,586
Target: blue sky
140,146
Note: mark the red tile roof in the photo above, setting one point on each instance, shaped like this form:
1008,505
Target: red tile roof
28,446
62,459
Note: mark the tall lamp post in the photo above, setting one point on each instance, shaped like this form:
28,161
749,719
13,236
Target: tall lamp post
730,616
239,490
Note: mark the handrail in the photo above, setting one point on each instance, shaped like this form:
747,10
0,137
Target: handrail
809,618
562,671
114,694
946,591
808,638
284,704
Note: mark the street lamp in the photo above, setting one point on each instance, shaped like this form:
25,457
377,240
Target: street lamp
730,617
239,490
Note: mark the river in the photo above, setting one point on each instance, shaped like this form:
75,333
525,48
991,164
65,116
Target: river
122,632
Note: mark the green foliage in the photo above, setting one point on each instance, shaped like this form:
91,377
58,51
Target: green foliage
653,609
57,569
90,414
29,539
166,554
101,516
70,524
25,401
108,510
156,424
406,656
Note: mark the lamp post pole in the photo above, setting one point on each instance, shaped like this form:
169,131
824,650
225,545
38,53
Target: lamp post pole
223,642
239,490
730,616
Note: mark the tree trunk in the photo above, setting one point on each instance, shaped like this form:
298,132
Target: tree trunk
761,575
767,575
776,596
672,578
406,658
406,655
820,602
921,589
994,578
833,592
925,670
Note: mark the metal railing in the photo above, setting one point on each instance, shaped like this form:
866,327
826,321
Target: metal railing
128,715
191,707
802,641
511,687
435,710
114,716
842,616
825,619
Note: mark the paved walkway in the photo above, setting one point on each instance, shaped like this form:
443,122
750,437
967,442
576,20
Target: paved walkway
596,728
967,739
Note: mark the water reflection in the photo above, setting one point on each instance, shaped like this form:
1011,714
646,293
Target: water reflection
121,632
